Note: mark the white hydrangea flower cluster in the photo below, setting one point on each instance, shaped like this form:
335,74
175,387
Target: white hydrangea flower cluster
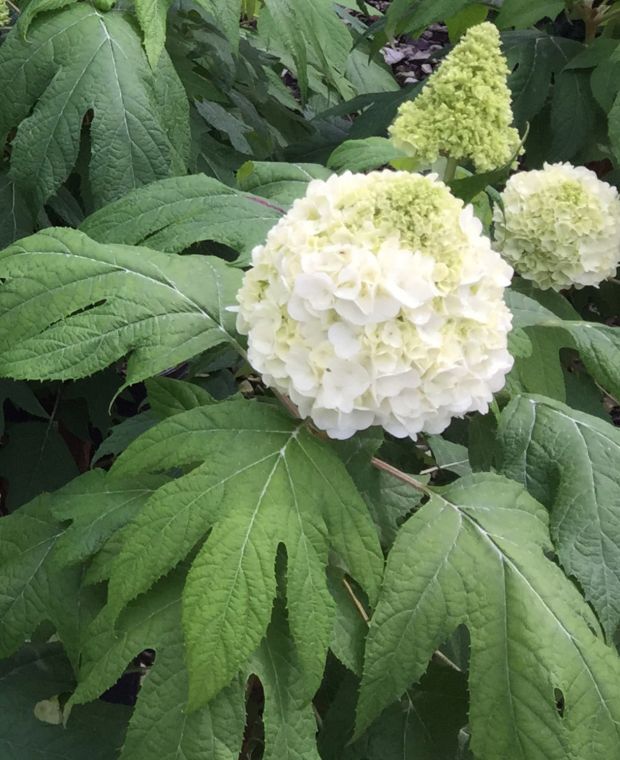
560,226
377,300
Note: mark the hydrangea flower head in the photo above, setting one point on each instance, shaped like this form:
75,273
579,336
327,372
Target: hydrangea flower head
560,226
5,14
377,301
464,110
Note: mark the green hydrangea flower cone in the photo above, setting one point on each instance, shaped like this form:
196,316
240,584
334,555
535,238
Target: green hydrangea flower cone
464,111
5,14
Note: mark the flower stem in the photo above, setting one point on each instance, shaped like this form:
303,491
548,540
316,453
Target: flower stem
402,476
450,170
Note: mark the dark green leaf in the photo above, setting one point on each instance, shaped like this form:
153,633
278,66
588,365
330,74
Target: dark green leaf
569,461
80,60
474,554
37,673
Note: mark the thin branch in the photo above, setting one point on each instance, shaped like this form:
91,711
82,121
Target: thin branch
446,660
358,605
287,403
411,481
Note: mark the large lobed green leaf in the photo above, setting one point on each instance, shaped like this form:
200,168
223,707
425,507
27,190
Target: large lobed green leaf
174,213
27,575
70,306
570,462
80,62
285,487
535,58
598,344
160,725
39,580
281,182
543,684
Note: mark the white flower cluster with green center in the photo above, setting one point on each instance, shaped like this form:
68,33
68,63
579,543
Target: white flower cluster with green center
560,226
377,301
464,111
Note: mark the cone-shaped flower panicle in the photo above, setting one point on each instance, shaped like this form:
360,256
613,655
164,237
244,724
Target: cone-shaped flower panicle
560,226
377,300
464,110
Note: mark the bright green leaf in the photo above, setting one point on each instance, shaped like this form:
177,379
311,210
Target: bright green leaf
70,306
287,488
173,214
98,506
362,155
167,396
27,540
290,725
278,181
160,725
152,19
310,33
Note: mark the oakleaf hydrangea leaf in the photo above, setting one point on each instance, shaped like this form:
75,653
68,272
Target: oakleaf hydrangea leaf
290,725
160,725
17,217
168,397
474,554
281,182
152,19
70,306
570,462
598,344
98,506
77,62
174,213
286,487
32,589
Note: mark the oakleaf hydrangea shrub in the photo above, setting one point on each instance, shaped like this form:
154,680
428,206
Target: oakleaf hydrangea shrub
464,111
240,543
559,226
377,300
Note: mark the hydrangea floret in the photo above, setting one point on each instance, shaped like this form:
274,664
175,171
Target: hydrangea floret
560,226
464,111
377,300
